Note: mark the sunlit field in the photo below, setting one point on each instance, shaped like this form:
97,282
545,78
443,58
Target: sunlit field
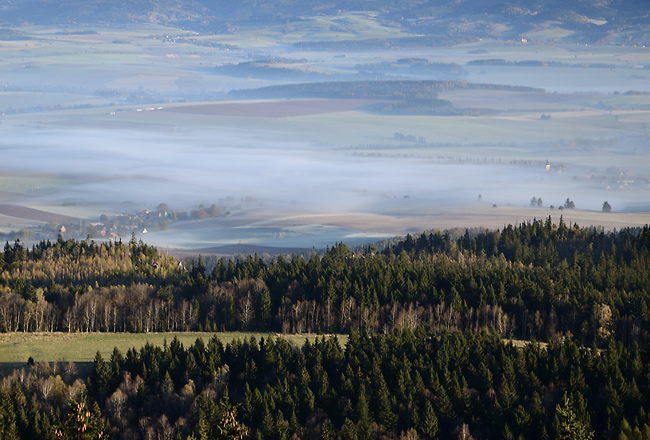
16,348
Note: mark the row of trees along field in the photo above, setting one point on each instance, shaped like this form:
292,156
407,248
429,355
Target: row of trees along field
401,385
536,281
400,90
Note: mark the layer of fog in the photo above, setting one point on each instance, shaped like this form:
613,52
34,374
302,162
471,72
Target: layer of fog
112,167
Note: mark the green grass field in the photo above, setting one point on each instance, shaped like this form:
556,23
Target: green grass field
17,348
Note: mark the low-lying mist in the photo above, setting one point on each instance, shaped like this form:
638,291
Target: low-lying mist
109,168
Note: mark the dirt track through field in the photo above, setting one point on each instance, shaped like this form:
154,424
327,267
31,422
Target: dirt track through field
26,213
272,109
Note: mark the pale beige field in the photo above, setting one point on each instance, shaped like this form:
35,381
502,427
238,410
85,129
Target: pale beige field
485,217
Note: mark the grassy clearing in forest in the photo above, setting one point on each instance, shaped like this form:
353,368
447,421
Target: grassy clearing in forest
16,348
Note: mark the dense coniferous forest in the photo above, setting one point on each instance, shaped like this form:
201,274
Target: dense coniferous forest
403,384
428,319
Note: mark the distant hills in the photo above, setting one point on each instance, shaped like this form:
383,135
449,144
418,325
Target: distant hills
582,21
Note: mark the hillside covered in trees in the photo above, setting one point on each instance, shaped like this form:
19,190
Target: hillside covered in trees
404,385
536,281
427,317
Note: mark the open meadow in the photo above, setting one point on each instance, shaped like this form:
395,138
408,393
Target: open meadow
17,348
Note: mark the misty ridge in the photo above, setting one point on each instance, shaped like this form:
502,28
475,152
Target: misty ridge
430,22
